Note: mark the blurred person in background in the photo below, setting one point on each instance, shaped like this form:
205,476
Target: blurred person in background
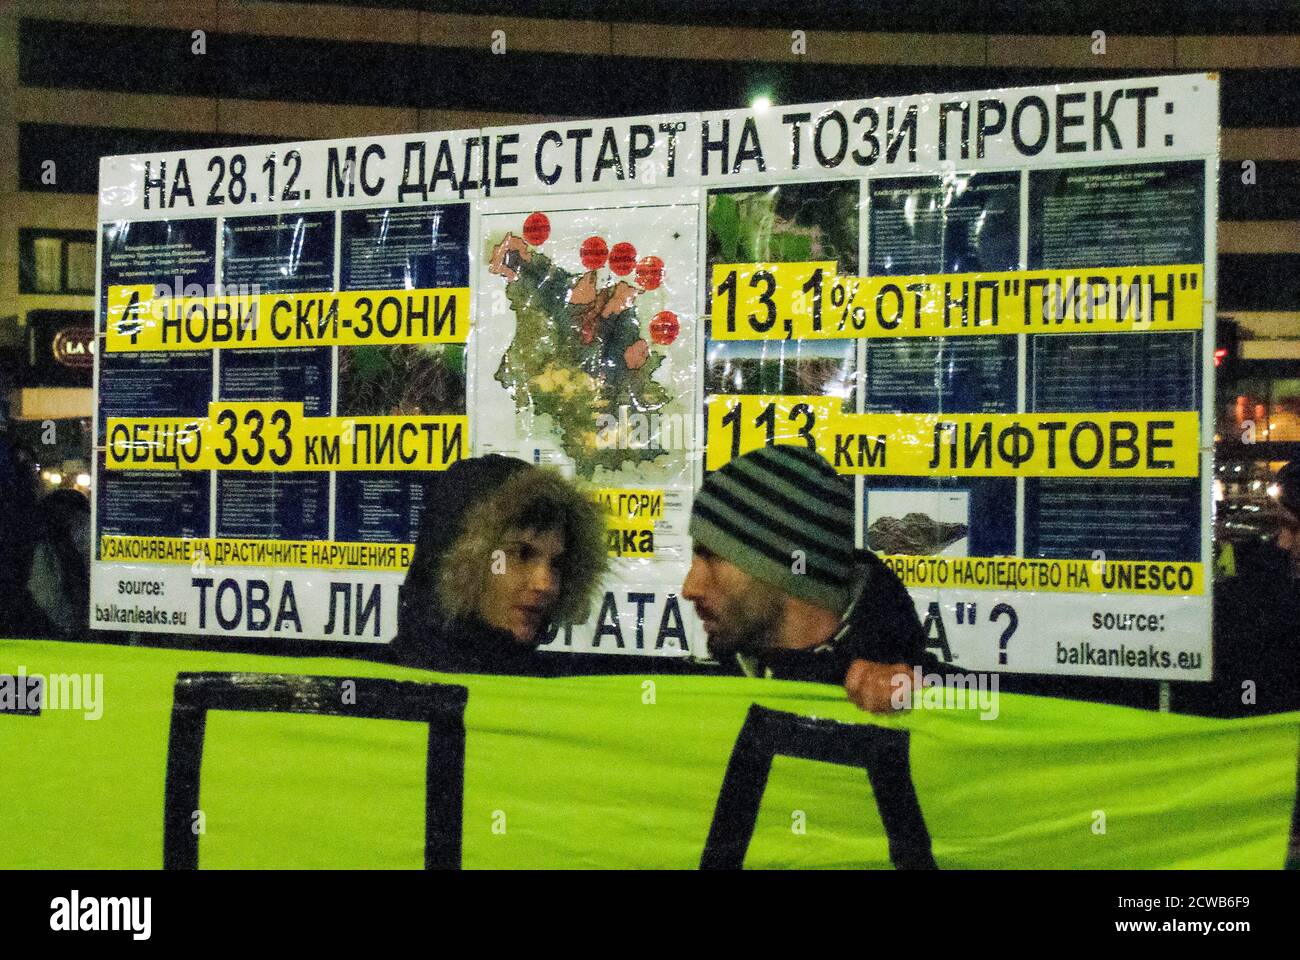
1257,621
19,614
59,578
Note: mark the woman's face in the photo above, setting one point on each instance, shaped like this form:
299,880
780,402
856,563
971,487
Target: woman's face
524,583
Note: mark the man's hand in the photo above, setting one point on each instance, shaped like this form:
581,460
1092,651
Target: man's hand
879,687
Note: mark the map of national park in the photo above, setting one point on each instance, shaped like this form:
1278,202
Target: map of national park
579,352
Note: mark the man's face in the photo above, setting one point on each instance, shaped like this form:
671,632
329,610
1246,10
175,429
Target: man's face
524,583
739,612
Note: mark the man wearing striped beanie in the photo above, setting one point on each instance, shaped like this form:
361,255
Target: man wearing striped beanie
780,588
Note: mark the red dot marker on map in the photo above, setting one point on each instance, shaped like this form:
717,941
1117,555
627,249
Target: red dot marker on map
649,272
664,328
622,258
537,228
594,253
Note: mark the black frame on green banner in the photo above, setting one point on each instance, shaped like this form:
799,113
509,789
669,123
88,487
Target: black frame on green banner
441,706
767,734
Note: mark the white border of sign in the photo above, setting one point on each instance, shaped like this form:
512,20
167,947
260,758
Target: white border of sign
1043,127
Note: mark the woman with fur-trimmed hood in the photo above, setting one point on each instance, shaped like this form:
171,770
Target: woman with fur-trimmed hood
505,550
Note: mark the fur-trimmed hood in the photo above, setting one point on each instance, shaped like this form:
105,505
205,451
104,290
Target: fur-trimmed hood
467,511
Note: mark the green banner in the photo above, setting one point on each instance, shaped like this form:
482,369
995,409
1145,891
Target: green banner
628,771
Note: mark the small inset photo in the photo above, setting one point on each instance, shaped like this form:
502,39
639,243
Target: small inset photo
920,522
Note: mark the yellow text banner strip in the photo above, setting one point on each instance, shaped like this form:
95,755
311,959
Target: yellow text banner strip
1026,574
278,437
201,552
626,542
138,319
808,301
1137,444
630,506
630,516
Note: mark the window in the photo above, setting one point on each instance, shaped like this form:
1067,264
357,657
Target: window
56,261
1258,409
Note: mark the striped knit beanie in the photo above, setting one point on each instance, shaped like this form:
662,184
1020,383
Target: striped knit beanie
760,508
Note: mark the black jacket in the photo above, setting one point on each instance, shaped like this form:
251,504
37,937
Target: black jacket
880,625
1256,639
